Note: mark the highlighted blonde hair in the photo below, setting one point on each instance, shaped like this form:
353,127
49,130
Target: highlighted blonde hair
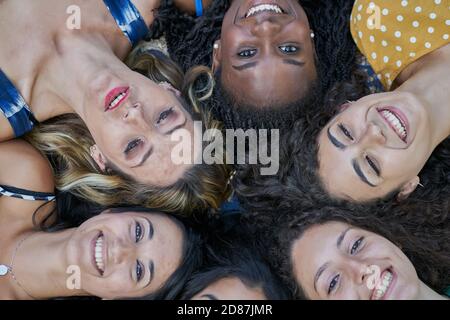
67,141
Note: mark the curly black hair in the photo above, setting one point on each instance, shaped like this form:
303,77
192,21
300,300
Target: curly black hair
427,246
232,249
190,42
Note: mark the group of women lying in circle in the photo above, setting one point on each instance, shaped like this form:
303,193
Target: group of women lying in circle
359,89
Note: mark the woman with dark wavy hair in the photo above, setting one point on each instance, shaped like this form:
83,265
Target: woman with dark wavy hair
270,58
119,253
331,253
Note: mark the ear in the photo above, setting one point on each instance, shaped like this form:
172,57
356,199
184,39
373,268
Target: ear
166,85
217,56
98,157
408,188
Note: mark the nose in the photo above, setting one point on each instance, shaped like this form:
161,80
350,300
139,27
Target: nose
266,27
132,113
374,135
359,272
122,250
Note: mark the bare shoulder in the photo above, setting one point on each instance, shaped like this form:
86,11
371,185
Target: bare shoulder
189,5
22,166
6,131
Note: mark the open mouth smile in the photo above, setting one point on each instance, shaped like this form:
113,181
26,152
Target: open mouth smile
116,97
99,253
261,8
384,286
397,122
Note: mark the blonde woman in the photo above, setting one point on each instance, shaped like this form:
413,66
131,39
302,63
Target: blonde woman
121,253
62,68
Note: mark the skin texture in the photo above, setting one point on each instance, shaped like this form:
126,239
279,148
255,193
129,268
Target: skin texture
363,133
231,288
39,60
350,267
274,45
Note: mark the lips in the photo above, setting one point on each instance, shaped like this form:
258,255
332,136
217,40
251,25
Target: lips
98,253
116,97
396,120
384,285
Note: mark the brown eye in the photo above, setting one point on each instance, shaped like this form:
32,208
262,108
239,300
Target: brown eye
356,246
247,53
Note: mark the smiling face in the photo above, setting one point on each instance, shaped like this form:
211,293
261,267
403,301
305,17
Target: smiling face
266,53
126,255
131,119
375,146
337,261
230,288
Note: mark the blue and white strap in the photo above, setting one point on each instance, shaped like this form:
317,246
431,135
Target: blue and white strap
128,19
14,107
25,194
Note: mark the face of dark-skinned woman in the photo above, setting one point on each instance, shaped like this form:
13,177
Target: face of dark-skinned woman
266,53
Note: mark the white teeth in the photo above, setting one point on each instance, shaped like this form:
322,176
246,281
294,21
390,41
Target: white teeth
396,123
117,100
99,254
383,285
263,7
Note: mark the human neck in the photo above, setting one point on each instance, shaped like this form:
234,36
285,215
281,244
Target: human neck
426,293
40,266
71,74
429,79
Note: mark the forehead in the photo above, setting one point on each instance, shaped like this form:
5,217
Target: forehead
314,248
269,79
232,288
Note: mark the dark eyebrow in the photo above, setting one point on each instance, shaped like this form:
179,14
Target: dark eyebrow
151,230
335,141
319,273
151,268
209,296
151,265
144,158
341,238
360,174
245,66
294,62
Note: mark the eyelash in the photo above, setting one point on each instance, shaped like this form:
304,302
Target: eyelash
373,165
346,132
163,116
131,145
247,53
138,271
288,51
138,232
333,284
356,246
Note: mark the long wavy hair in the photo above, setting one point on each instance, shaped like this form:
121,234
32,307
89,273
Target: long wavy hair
426,245
66,141
190,42
70,212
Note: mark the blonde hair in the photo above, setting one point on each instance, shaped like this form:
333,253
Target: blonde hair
66,141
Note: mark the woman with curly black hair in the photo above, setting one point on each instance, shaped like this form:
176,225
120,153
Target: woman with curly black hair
270,59
331,253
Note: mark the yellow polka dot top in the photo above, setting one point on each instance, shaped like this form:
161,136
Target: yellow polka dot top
394,33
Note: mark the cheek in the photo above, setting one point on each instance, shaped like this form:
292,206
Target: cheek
115,286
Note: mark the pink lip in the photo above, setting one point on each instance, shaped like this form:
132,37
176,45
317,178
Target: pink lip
391,286
113,94
399,114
